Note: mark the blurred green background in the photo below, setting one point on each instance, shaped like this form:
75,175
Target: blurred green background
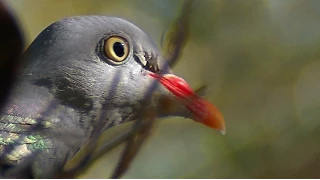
260,61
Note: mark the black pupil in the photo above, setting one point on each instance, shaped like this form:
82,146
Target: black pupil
118,49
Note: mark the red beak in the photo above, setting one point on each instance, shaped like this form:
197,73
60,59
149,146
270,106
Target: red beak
203,111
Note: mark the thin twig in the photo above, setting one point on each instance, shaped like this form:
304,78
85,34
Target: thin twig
134,143
175,39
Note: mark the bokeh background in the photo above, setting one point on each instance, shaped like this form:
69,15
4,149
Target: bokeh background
260,61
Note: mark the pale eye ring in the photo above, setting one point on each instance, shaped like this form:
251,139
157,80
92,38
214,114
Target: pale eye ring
116,48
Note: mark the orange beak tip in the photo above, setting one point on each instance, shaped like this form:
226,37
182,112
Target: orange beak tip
207,114
223,132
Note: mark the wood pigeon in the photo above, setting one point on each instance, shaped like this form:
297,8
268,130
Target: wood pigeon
81,75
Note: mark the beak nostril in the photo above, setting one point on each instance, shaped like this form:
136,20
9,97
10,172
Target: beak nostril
151,67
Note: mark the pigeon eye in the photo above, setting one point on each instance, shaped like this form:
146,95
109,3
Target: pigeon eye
116,48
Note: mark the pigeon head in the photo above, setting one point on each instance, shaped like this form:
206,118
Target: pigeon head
98,64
